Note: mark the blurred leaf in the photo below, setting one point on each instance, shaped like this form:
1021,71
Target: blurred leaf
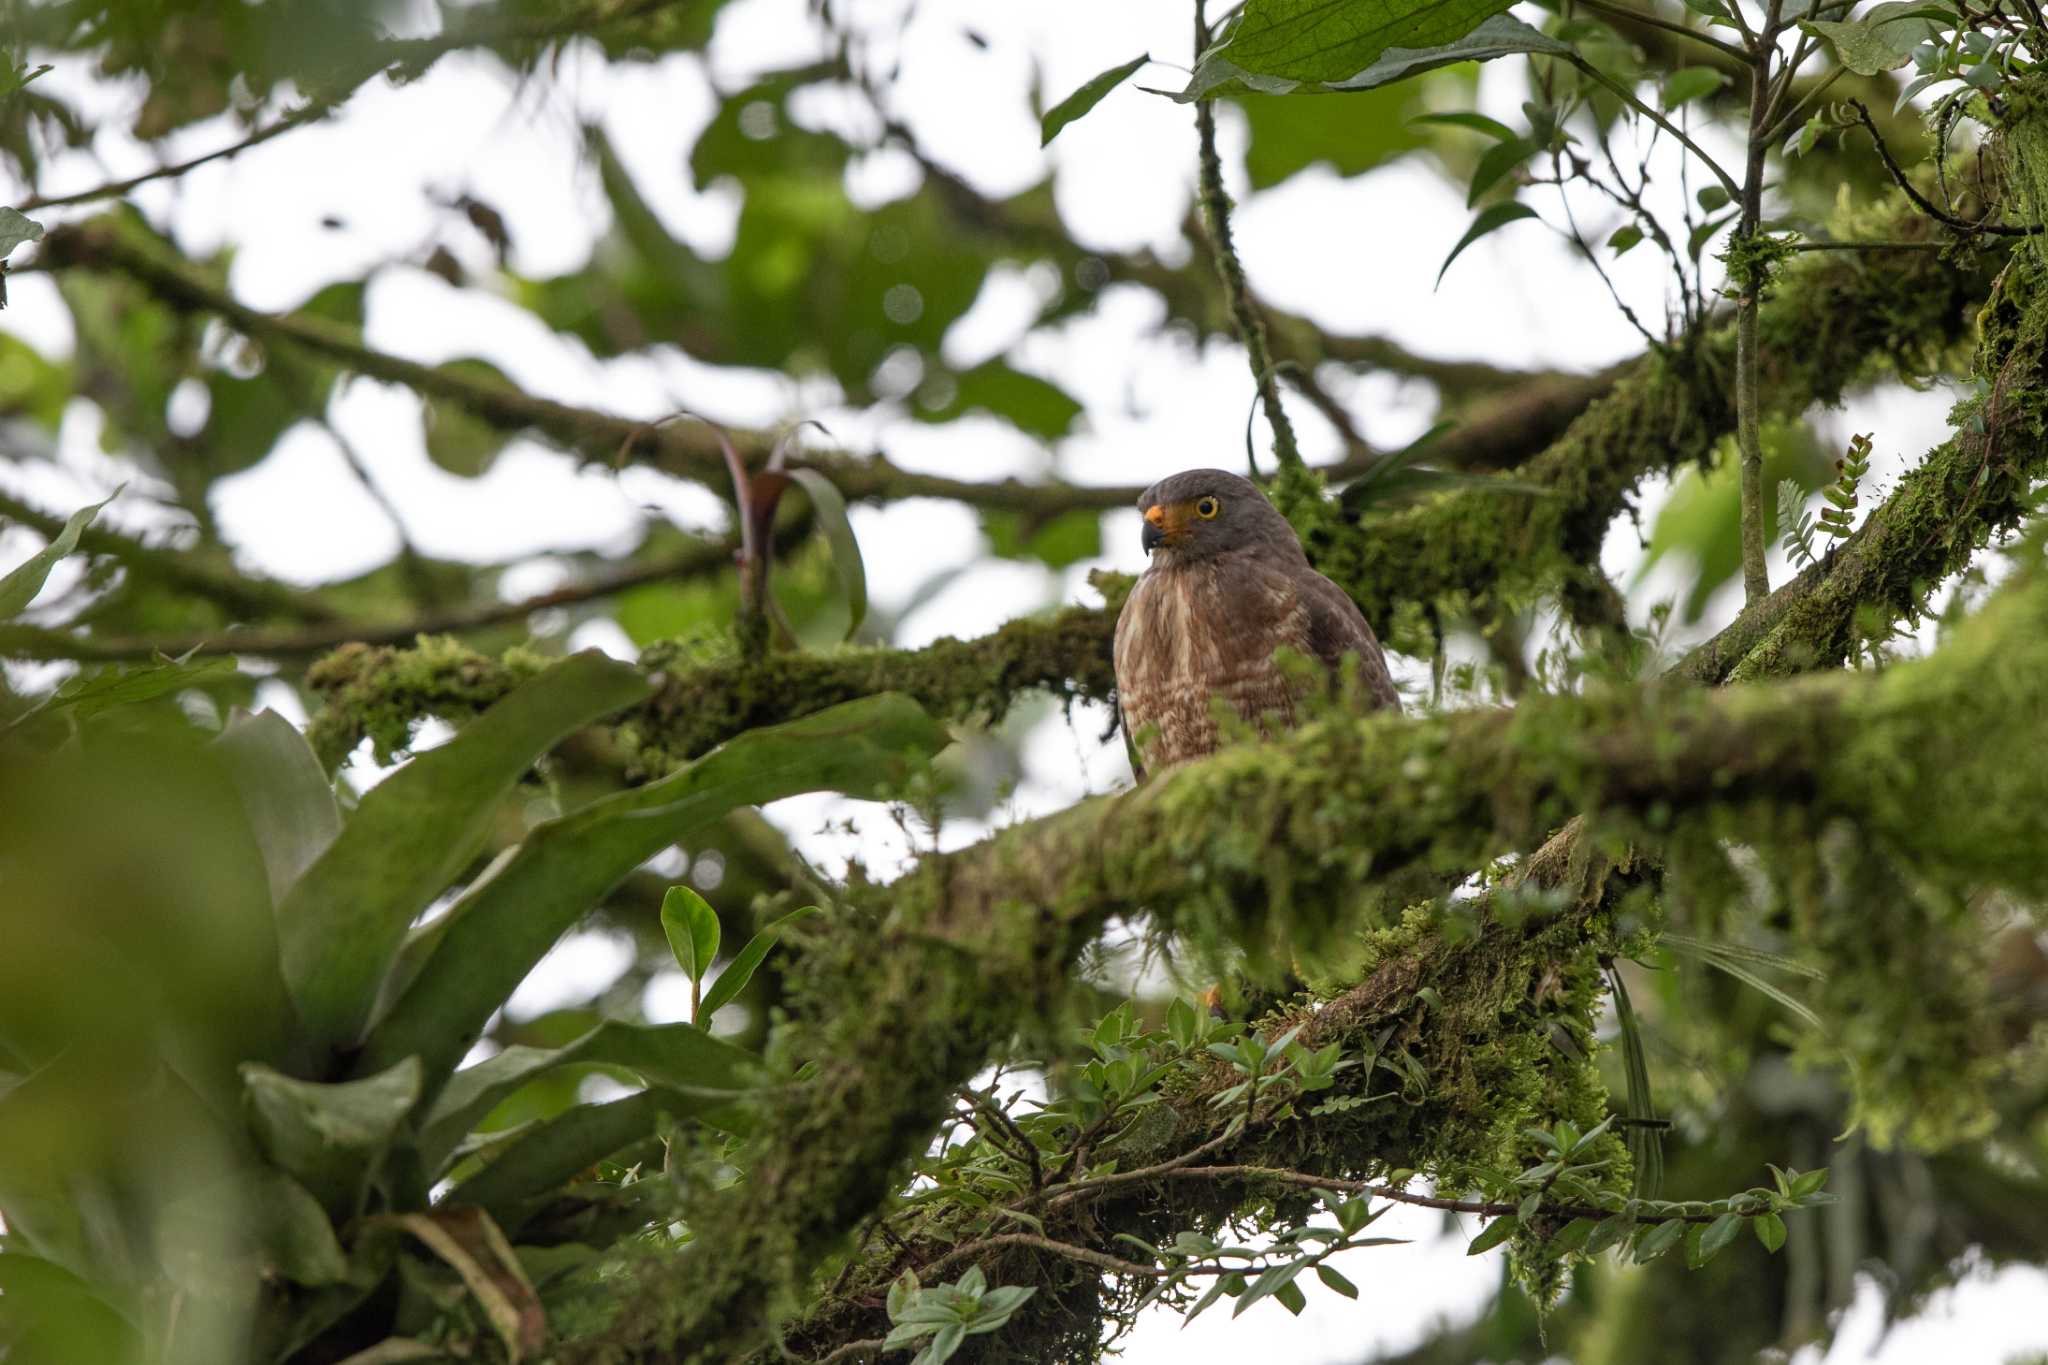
509,918
1065,540
1034,406
692,929
677,1057
1701,519
329,1136
830,510
291,809
19,586
1496,1232
414,832
1087,97
15,229
1883,39
53,1316
1330,40
740,970
1465,118
1489,219
1687,84
1494,164
752,135
458,440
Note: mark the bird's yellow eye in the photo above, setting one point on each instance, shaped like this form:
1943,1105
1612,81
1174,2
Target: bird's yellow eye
1207,509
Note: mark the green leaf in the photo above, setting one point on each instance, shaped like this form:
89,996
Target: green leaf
1718,1235
1572,1235
291,809
21,584
1625,237
1065,540
943,1344
1490,219
1288,135
740,970
1770,1230
342,924
1494,164
1334,1278
509,918
15,229
329,1136
1498,36
1086,98
457,439
692,928
1498,1231
1809,1183
1711,197
1331,40
93,694
1704,233
1882,40
680,1058
830,509
1463,118
1291,1298
554,1152
1659,1239
1607,1232
1037,407
1690,83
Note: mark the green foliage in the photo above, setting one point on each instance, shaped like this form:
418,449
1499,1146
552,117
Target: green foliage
19,585
1087,97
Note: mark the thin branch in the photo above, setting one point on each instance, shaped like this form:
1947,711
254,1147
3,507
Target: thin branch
1791,116
1899,178
1628,96
307,114
1622,12
1251,329
35,643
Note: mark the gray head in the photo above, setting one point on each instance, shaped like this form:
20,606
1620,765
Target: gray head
1202,513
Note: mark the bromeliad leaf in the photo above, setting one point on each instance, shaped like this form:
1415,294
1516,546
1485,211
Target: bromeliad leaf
675,1057
1490,219
291,809
342,924
329,1136
508,919
830,508
1086,98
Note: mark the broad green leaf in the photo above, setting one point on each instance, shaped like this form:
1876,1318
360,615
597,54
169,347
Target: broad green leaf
1332,40
509,918
329,1136
1366,131
1065,540
63,1315
291,808
343,922
1498,1231
692,929
1770,1230
1334,1278
1086,98
1625,237
1498,36
86,697
20,585
1690,83
1490,219
16,228
830,510
740,970
675,1057
457,439
1718,1235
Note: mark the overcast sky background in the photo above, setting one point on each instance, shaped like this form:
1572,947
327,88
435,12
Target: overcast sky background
1357,256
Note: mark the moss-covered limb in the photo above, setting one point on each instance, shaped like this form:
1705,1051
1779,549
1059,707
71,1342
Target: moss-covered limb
1829,322
195,572
1479,1012
1973,486
381,692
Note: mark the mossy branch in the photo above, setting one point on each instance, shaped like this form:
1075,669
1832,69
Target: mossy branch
1241,848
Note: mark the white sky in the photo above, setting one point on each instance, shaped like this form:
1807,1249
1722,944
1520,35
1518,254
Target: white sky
1354,255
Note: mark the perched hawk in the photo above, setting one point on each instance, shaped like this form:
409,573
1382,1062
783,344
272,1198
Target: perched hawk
1228,586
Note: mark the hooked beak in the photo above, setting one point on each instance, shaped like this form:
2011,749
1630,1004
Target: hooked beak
1162,527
